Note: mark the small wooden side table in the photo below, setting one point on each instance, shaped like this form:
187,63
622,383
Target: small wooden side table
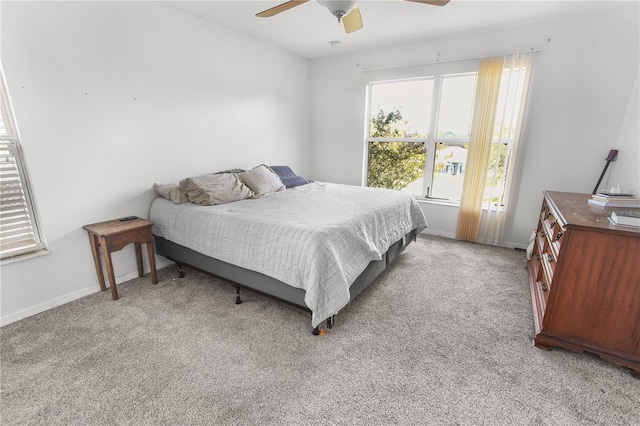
112,236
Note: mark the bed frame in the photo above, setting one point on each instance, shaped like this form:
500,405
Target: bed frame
268,286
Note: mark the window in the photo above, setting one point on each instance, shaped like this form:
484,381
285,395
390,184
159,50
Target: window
398,135
19,233
419,133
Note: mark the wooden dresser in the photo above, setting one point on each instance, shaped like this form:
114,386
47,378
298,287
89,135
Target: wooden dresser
585,281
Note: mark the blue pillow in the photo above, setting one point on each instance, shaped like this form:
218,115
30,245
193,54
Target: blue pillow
288,177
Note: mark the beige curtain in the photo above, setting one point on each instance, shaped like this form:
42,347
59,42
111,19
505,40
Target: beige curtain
482,128
508,126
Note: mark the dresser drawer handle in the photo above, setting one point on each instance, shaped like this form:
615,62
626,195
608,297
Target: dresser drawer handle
545,287
559,235
547,215
552,224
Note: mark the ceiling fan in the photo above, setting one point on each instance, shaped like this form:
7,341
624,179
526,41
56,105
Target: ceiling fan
346,11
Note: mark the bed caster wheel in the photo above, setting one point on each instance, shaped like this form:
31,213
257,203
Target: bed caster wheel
180,271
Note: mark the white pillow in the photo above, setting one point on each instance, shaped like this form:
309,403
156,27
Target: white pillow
262,181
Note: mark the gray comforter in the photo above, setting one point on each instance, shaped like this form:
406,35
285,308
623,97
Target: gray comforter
318,237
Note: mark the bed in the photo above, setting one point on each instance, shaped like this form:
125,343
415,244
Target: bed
315,245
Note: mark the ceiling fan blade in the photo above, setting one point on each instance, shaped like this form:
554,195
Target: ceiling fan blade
431,2
353,21
280,8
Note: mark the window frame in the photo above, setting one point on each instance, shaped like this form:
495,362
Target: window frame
12,153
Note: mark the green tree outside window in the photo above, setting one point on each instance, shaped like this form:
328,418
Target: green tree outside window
393,165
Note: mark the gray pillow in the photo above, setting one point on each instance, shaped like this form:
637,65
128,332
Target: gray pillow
211,189
171,191
262,181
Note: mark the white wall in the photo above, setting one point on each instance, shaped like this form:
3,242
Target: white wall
111,97
580,93
625,171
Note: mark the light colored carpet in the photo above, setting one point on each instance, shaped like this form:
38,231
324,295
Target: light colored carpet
442,337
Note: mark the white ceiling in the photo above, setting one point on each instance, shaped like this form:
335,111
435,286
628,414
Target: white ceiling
309,30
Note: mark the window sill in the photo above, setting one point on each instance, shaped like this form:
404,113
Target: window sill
26,256
436,201
453,204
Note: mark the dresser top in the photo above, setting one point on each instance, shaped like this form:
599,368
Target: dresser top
576,212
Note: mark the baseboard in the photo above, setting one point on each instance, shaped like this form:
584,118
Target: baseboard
439,233
506,244
69,297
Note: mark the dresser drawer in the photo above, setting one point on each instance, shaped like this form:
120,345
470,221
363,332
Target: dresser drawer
552,229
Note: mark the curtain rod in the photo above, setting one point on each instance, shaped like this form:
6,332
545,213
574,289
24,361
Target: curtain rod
532,50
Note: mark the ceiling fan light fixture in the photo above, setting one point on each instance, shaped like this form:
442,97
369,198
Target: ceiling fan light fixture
340,8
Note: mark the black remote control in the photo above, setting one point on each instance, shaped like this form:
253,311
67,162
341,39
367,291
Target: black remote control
128,218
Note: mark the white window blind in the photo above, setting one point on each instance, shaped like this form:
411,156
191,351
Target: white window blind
19,232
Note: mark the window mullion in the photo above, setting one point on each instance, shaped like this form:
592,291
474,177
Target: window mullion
367,134
430,144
